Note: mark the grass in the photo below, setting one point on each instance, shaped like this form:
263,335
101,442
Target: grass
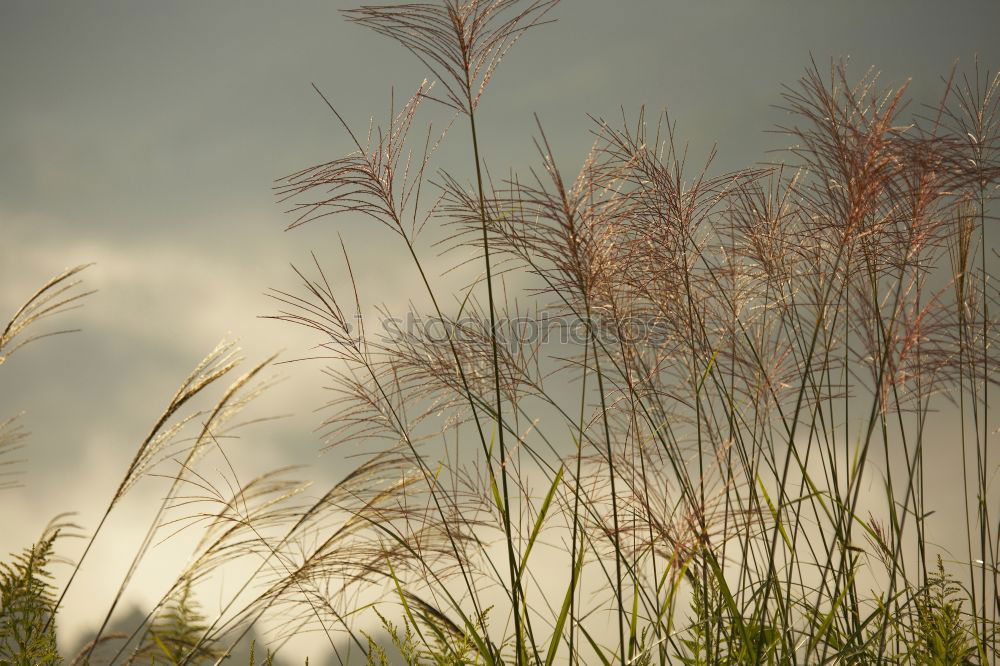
741,457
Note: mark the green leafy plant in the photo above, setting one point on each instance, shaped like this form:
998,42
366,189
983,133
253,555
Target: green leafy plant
441,645
174,635
942,634
27,604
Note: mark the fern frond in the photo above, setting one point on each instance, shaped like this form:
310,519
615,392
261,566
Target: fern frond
27,602
176,632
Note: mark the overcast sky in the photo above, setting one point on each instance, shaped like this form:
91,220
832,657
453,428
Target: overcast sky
146,136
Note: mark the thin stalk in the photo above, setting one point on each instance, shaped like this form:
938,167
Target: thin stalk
515,581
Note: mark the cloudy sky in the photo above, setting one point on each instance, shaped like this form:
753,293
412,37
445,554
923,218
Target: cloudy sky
146,136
